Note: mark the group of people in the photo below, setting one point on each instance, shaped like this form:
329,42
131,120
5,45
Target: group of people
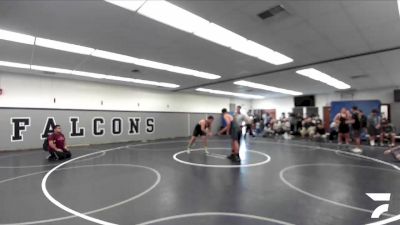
347,125
294,125
233,128
351,124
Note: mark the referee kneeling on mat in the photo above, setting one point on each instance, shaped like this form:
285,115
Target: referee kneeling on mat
57,145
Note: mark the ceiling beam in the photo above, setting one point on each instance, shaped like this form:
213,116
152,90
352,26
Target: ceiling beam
294,67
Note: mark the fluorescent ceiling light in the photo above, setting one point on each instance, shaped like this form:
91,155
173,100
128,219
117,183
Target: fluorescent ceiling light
154,65
50,69
116,78
139,81
115,56
17,37
176,69
47,43
276,58
323,77
252,48
172,15
130,5
161,84
58,45
205,75
266,87
87,74
261,52
219,35
398,5
218,92
14,65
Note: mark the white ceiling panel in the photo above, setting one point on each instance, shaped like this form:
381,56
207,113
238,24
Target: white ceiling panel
310,31
70,21
390,60
98,65
14,52
383,36
55,58
371,13
211,10
320,50
312,9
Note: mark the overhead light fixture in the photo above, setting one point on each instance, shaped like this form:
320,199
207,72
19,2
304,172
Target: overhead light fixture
323,77
266,87
205,75
398,5
115,56
219,92
140,81
161,84
130,5
152,64
50,69
261,52
252,48
63,46
87,74
219,35
15,65
17,37
172,15
276,58
47,43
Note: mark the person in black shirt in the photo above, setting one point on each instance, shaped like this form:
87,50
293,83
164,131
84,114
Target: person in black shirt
342,120
356,128
363,120
388,131
320,130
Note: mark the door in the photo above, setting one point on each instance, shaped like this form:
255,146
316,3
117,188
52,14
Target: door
271,112
327,115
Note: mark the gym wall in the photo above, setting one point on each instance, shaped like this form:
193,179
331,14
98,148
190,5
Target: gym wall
41,97
34,91
27,128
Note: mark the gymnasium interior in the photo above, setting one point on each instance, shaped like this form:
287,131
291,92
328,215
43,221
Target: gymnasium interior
234,112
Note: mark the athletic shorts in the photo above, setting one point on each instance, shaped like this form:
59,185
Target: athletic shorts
344,128
373,131
236,132
61,155
198,132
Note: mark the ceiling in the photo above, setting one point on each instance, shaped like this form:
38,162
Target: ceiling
311,31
